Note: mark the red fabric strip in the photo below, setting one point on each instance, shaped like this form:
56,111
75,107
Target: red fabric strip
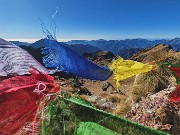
19,102
175,70
175,95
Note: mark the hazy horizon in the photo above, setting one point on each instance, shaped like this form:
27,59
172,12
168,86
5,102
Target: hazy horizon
32,40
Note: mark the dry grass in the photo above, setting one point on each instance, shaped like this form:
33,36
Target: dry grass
104,94
117,98
150,83
159,56
122,109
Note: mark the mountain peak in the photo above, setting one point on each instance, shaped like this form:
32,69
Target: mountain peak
38,44
154,53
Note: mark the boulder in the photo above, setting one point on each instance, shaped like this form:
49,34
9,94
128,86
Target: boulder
107,87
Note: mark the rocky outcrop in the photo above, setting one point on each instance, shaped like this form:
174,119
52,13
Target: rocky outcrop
107,87
156,111
101,103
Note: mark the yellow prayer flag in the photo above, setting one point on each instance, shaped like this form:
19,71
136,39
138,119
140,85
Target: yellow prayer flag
123,69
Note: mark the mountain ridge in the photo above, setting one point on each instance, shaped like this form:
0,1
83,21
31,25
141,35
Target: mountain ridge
117,45
126,47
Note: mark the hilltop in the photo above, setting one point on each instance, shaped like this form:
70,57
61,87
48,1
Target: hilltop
104,94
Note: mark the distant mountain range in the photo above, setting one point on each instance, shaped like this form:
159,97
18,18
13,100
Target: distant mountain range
116,46
18,43
79,48
125,48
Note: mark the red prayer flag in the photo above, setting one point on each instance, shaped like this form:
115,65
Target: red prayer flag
20,97
175,95
175,70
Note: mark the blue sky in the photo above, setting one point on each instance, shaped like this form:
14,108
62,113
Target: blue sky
90,19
